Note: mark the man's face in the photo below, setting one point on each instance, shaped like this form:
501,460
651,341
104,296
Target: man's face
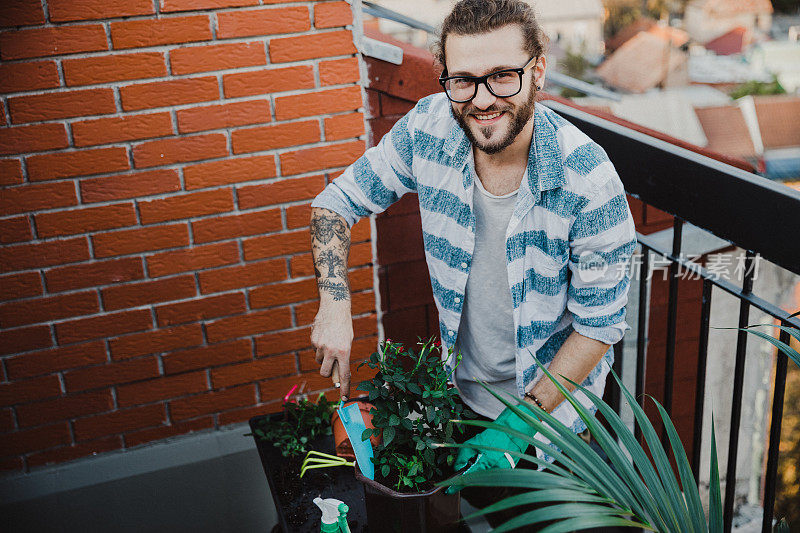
480,54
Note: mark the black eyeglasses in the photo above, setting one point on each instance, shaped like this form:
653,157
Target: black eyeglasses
502,84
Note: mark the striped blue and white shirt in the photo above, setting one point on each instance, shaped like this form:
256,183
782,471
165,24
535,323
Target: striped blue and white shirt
568,243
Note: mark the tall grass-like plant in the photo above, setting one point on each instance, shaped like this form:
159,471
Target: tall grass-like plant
583,491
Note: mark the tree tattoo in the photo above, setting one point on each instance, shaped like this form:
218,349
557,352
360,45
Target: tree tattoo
330,244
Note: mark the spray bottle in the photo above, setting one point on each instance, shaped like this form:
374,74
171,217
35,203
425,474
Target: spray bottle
334,515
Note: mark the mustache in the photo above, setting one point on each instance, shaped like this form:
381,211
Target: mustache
472,110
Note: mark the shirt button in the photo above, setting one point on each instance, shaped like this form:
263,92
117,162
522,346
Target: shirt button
464,265
457,300
452,333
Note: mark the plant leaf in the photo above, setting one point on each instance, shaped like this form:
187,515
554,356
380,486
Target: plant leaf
714,495
559,511
388,435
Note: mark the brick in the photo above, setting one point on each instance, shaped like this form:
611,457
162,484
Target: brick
108,325
230,170
158,433
98,377
21,13
180,150
334,43
330,156
277,192
30,76
21,285
55,360
298,216
282,342
16,229
27,312
317,103
208,356
29,390
34,138
133,185
268,81
43,254
339,71
186,206
154,32
7,420
121,129
140,240
40,42
262,22
212,402
301,266
169,93
249,324
277,136
96,273
283,293
162,340
78,163
252,371
344,126
223,116
148,292
234,226
85,220
161,389
193,59
276,245
70,10
10,464
236,277
245,414
68,104
332,14
10,172
64,408
75,451
119,422
201,309
20,442
195,258
114,67
193,5
275,389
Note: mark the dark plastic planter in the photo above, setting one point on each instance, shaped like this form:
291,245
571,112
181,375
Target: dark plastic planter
389,511
294,496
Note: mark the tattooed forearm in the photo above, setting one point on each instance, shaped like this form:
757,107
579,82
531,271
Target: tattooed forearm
330,246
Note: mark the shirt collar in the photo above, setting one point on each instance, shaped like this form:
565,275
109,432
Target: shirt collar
545,166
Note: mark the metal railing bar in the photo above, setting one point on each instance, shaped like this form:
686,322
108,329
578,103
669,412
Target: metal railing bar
759,303
700,384
771,475
381,12
641,339
672,311
736,403
614,400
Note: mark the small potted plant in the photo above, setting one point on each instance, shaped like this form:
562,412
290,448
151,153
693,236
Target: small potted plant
414,406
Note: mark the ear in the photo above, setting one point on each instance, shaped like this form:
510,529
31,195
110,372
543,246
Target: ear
539,72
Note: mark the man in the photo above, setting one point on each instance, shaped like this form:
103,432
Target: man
526,228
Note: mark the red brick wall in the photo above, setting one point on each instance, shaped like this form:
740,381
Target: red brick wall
158,159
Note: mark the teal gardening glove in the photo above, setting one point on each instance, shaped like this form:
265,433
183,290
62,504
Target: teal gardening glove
497,439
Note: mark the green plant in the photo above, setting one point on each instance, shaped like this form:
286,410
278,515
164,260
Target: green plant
583,491
304,421
413,409
758,88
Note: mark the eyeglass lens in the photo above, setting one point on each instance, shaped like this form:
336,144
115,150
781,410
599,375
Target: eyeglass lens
502,84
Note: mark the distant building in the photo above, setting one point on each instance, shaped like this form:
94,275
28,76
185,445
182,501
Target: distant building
731,42
657,28
708,19
643,62
724,72
781,58
762,129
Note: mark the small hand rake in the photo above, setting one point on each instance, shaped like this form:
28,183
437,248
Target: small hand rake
315,459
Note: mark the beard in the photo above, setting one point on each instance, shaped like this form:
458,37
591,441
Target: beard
519,117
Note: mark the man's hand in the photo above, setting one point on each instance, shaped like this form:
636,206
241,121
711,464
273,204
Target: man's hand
332,337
